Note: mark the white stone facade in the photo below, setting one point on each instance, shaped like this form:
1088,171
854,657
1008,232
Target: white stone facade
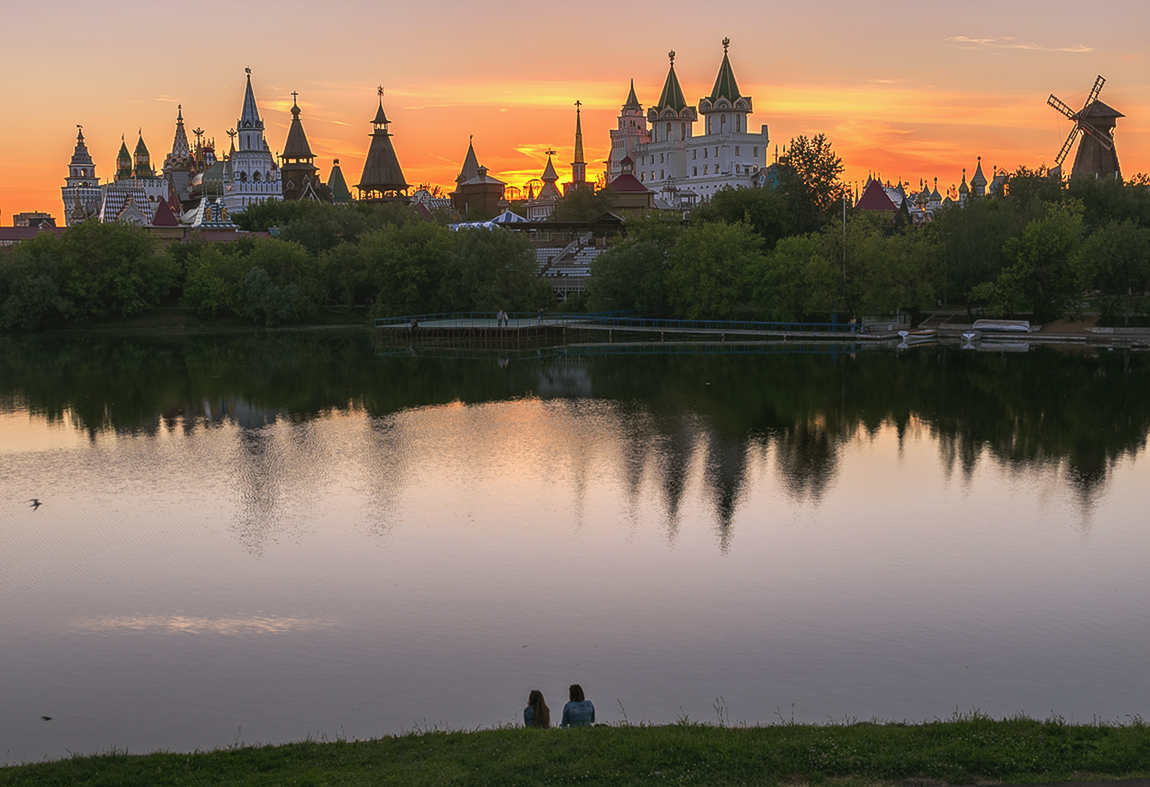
255,175
728,154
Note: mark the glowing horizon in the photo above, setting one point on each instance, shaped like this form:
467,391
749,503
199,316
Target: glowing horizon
918,97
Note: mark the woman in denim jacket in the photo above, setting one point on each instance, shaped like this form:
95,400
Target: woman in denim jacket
579,712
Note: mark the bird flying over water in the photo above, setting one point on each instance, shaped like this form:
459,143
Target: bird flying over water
35,503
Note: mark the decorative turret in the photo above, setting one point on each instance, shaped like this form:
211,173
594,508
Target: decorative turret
340,193
632,131
672,107
298,173
726,109
123,161
81,169
81,191
978,182
180,166
382,177
632,101
251,174
470,168
143,160
180,147
250,127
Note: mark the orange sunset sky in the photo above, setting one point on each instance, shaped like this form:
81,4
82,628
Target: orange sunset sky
907,90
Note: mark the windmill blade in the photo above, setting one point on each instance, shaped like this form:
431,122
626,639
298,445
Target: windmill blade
1094,91
1061,107
1103,139
1066,147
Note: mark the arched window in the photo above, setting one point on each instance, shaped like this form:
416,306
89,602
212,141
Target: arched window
668,130
723,122
243,177
739,123
682,131
256,177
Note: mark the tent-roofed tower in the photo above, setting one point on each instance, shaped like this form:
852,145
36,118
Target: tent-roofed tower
298,172
123,161
470,168
143,168
81,191
578,166
251,174
382,178
725,111
340,193
672,117
180,164
631,131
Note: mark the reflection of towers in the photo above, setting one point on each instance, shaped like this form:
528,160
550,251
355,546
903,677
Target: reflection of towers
724,477
807,457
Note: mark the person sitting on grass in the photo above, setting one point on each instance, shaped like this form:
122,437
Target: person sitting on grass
579,712
536,714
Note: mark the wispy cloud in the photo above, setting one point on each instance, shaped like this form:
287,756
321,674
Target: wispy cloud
1010,42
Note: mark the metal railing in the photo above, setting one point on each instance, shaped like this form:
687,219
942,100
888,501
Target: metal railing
620,320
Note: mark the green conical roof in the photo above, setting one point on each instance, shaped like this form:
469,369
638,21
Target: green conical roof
340,193
143,159
632,100
672,96
123,161
725,84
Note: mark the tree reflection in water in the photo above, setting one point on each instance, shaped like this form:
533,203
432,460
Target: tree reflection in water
1082,409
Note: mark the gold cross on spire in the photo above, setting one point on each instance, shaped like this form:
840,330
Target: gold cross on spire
381,91
294,96
578,104
248,71
671,55
726,43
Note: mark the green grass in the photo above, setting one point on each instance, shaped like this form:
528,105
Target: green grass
962,750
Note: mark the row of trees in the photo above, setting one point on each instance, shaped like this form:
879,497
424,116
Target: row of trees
787,252
793,252
324,256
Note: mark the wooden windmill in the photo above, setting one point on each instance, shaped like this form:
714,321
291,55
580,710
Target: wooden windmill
1096,154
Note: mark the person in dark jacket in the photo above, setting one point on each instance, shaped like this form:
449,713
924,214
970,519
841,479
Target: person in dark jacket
579,712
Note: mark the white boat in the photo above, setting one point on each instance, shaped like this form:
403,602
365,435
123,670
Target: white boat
1002,326
971,336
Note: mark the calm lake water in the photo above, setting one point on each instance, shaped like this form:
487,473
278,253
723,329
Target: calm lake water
261,538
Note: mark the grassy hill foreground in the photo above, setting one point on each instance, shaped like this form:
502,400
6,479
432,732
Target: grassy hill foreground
963,750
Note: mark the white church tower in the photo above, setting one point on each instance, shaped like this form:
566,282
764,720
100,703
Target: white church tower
255,175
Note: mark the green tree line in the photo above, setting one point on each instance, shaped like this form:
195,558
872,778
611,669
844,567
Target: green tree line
324,255
789,251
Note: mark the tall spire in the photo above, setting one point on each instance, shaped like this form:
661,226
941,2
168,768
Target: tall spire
578,166
632,100
123,161
250,114
382,177
296,147
470,167
578,134
672,95
143,159
725,84
180,146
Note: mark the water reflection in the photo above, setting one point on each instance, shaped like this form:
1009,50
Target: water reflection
286,532
1085,409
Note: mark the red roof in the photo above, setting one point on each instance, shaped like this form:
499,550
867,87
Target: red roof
875,198
164,217
627,184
